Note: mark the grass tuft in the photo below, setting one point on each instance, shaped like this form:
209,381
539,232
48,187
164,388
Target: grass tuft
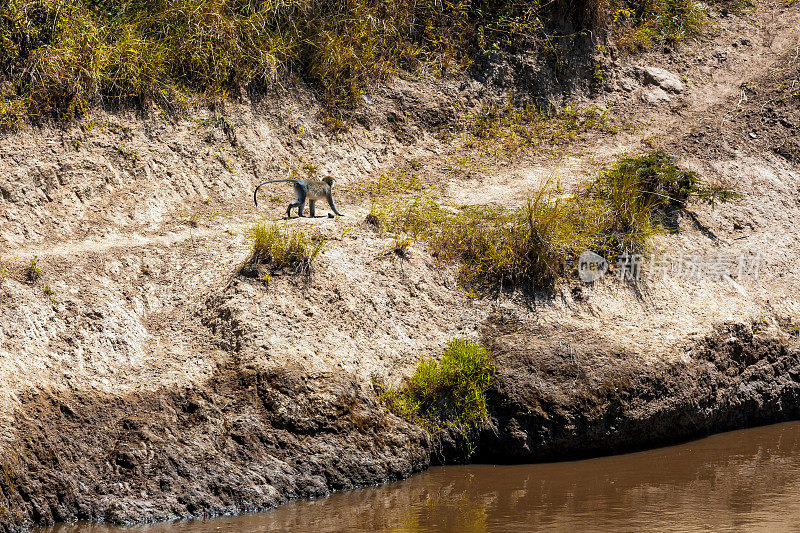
284,247
33,273
399,245
451,392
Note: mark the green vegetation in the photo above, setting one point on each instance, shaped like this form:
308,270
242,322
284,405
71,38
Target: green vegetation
399,245
451,392
502,130
57,57
34,272
284,248
661,21
617,212
128,153
493,245
389,183
639,197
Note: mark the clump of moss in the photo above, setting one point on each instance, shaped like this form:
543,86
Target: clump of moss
283,248
448,393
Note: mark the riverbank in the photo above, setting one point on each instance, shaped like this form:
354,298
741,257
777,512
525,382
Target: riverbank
144,378
739,479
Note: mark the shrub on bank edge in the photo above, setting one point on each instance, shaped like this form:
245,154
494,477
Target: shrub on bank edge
639,197
451,392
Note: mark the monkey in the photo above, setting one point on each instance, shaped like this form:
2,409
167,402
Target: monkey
312,189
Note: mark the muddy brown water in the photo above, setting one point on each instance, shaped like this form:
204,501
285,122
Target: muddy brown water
745,480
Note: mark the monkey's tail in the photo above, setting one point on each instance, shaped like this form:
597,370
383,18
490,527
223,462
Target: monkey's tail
255,200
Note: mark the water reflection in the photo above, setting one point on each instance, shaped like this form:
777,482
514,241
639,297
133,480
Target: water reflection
739,481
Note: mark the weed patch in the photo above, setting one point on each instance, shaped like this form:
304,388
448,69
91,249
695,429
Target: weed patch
399,245
502,130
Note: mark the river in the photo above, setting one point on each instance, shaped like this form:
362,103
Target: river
745,480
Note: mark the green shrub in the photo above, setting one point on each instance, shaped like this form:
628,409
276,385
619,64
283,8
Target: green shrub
639,197
451,392
282,248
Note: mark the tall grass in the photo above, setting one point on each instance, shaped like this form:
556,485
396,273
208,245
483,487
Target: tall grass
619,211
56,56
59,56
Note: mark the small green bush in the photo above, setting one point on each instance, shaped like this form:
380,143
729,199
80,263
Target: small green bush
451,392
639,197
282,248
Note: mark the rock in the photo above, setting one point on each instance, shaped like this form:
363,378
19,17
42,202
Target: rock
657,95
661,78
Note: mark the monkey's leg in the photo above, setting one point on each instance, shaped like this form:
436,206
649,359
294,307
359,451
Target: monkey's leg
292,205
311,204
333,205
300,200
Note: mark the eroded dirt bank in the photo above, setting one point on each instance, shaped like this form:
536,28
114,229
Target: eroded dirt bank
143,379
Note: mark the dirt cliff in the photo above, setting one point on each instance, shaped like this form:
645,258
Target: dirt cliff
143,378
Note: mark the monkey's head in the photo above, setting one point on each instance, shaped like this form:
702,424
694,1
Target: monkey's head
328,180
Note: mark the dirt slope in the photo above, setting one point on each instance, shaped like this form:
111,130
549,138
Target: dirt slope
142,379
